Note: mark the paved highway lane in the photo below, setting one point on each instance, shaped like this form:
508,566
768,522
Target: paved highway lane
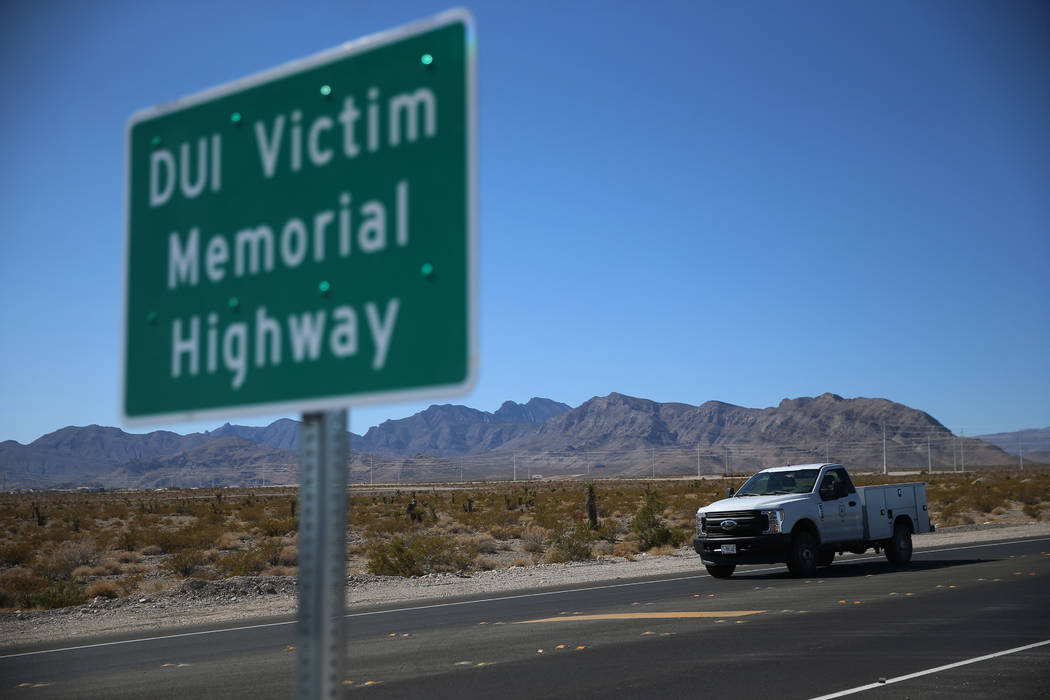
757,633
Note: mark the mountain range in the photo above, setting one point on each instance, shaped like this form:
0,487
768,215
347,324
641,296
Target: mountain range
617,434
1032,444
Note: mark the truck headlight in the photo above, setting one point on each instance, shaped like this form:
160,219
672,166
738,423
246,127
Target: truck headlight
776,521
701,524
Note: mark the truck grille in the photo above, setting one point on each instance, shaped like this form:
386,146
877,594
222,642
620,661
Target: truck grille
748,523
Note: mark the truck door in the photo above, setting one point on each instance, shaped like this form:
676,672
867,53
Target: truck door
843,519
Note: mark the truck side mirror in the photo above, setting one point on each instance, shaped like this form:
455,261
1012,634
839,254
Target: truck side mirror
827,492
729,492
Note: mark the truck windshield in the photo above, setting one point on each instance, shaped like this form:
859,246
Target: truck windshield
771,483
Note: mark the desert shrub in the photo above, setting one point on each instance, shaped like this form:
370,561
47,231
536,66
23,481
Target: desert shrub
507,531
1032,511
276,527
485,544
417,555
388,525
252,511
228,540
486,563
288,556
649,526
105,589
17,586
86,572
570,542
60,561
16,553
250,561
196,536
533,538
128,539
61,594
183,563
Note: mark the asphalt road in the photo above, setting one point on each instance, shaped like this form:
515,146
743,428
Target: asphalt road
758,634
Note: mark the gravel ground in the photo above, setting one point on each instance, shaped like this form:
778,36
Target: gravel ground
243,600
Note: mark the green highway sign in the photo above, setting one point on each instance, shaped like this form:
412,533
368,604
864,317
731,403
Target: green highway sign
305,239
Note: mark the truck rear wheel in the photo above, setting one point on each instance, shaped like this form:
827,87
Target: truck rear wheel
720,570
802,561
898,548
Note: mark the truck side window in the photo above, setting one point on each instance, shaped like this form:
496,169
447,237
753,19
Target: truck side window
827,485
843,476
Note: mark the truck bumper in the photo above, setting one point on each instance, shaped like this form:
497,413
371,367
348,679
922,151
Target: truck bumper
766,549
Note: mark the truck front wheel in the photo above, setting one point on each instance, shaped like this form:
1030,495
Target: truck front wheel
802,561
898,548
720,570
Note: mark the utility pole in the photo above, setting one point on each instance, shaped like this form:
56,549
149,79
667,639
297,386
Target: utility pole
371,468
1020,450
514,477
955,463
654,462
929,459
727,459
884,469
962,450
698,460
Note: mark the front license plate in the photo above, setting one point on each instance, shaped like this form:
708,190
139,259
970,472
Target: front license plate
729,549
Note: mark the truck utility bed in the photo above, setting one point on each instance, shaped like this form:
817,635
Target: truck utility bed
881,504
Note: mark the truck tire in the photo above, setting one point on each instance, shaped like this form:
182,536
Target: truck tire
898,547
720,570
824,558
802,561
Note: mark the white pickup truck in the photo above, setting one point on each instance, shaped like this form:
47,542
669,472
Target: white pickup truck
802,515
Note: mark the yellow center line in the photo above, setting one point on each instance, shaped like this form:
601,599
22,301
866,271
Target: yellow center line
648,616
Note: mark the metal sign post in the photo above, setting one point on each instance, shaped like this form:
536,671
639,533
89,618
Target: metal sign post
323,452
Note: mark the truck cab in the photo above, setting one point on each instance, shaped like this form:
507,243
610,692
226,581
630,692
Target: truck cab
803,515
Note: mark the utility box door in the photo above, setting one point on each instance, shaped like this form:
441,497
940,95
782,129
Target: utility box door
877,525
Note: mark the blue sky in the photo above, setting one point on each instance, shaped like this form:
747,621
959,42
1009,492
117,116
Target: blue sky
679,201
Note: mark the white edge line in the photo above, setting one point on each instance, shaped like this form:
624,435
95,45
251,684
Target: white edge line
898,679
150,639
472,602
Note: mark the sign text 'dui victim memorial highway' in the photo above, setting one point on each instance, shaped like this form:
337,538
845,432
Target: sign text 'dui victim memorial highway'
305,238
